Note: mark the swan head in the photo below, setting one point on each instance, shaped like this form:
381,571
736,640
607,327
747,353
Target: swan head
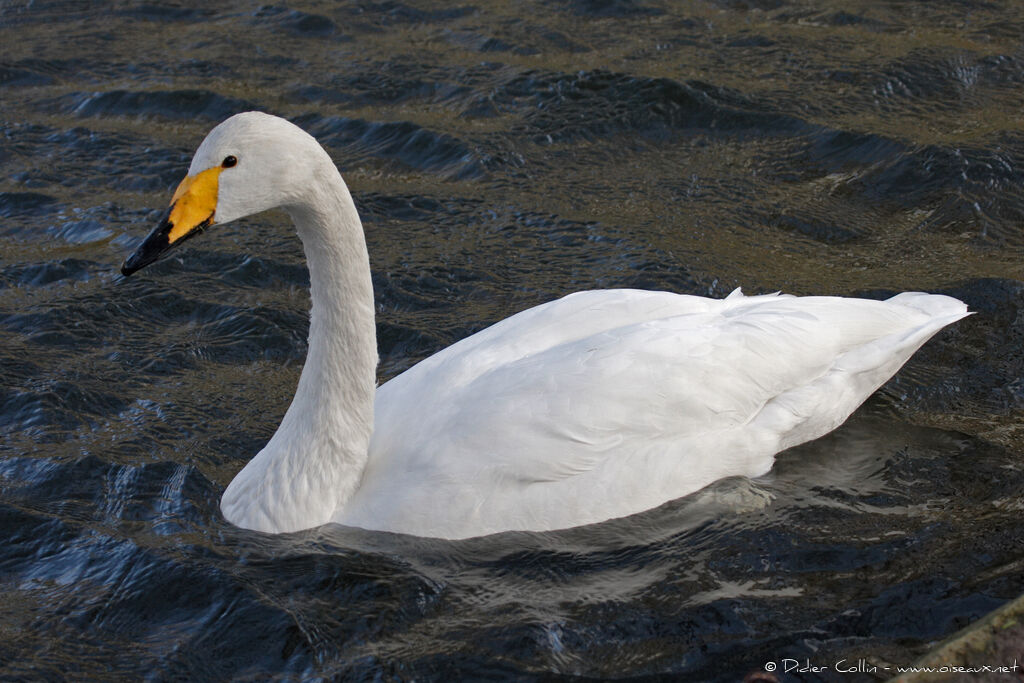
249,163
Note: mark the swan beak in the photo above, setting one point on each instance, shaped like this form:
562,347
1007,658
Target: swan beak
191,211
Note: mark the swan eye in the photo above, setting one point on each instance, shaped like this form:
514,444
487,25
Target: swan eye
229,161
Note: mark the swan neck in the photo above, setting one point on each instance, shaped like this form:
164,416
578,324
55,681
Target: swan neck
314,462
337,384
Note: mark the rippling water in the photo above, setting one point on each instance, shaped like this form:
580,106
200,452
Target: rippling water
502,155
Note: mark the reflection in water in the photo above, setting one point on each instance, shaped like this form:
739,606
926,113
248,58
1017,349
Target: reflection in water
501,157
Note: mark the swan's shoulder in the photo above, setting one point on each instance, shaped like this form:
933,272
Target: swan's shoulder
562,321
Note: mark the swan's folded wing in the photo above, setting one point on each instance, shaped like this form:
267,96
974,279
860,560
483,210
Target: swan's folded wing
563,411
519,434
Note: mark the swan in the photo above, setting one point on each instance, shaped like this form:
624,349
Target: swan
597,405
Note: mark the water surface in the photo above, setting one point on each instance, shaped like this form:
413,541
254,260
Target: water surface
502,155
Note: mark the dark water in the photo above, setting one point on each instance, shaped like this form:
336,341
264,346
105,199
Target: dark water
502,154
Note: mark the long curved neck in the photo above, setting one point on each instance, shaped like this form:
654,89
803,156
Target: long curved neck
313,463
334,398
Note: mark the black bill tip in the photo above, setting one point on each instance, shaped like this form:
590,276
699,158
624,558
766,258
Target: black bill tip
151,249
158,243
148,252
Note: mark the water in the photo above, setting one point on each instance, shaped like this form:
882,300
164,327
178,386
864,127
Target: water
501,155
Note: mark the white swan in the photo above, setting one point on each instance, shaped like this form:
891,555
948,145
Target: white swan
594,406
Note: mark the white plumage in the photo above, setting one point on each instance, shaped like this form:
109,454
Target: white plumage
598,405
606,403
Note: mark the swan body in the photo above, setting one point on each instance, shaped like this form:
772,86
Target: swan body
597,405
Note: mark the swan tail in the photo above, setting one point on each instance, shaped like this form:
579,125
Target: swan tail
933,305
795,415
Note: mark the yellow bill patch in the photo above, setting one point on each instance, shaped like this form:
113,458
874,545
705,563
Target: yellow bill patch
194,203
